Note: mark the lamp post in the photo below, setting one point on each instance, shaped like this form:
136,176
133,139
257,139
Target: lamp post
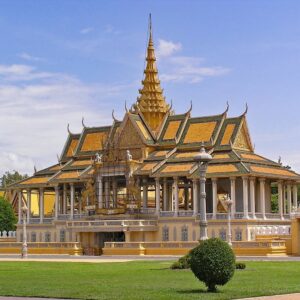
229,202
202,159
24,245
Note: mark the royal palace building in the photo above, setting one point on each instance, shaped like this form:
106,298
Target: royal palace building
132,187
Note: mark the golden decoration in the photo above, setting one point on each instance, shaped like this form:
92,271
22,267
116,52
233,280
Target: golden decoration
94,141
228,134
171,130
72,147
199,132
222,168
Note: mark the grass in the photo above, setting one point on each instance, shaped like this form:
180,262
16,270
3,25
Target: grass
140,280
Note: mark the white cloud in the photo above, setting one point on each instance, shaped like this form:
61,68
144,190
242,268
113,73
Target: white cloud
35,113
188,69
111,29
86,30
167,48
29,57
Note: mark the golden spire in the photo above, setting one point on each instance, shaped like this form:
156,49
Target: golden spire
151,102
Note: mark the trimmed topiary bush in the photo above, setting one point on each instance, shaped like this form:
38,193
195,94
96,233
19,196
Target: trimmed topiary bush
240,266
182,263
213,262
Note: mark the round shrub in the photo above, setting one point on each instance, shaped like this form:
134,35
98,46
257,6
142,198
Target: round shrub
182,263
240,266
213,262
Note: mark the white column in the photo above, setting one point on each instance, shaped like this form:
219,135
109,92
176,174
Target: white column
20,206
195,196
28,205
145,193
175,195
252,196
65,199
72,192
165,195
245,197
280,199
289,198
41,196
100,191
215,196
295,195
115,192
107,193
157,196
56,189
262,193
284,198
232,196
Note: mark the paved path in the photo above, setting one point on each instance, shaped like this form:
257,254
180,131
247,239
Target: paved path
277,297
123,258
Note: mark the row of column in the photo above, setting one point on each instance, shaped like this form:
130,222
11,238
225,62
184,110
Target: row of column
249,195
103,185
41,202
170,193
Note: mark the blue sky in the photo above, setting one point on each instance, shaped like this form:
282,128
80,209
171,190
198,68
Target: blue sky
61,60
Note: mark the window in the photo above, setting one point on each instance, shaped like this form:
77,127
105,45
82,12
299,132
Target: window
33,237
47,237
184,234
165,234
238,235
223,235
62,236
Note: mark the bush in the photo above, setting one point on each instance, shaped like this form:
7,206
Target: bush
213,262
240,266
182,263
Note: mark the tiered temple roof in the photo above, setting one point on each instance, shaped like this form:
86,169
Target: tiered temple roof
163,144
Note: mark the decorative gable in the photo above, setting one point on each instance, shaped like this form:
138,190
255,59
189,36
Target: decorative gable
242,140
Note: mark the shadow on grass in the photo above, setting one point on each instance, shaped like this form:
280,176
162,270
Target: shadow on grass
195,291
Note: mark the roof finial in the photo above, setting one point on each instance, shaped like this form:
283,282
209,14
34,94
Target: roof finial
126,109
246,110
68,128
227,108
82,122
150,28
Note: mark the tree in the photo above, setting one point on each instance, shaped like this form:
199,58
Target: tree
213,262
10,178
8,219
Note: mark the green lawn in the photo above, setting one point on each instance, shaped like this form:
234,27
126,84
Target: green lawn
140,280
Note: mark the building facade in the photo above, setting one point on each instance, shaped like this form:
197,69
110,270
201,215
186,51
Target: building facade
133,187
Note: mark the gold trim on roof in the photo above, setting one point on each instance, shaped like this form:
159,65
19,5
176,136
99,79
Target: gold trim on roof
177,168
251,156
221,156
81,163
272,171
94,141
222,168
36,180
68,175
143,130
72,147
186,154
171,130
199,132
227,134
160,153
148,166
